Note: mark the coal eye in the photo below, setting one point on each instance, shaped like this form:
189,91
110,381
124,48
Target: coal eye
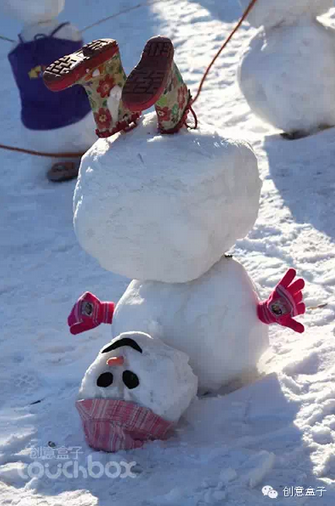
130,379
105,380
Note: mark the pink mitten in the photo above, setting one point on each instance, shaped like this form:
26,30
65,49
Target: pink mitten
284,303
88,312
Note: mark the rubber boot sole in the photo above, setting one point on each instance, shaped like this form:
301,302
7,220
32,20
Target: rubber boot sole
70,69
146,83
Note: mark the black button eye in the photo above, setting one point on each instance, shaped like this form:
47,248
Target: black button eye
130,379
105,380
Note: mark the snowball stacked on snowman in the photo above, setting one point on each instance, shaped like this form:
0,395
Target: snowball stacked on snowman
51,122
287,71
164,209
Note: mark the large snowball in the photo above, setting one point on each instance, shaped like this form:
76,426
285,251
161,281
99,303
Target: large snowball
213,319
167,384
165,207
32,11
273,12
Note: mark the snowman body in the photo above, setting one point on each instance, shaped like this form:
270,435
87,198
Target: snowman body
213,319
287,71
164,209
49,123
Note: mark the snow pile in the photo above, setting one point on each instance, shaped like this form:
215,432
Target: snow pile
167,384
165,208
213,319
273,12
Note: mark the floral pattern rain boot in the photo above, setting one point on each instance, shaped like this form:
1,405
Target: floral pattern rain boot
97,67
157,81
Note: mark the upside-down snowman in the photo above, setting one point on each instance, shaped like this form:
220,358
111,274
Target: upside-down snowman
287,71
164,209
57,123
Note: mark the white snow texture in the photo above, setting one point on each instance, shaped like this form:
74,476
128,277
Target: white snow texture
213,319
167,383
165,208
287,71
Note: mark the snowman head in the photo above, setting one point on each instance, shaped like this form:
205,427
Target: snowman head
33,11
269,13
134,391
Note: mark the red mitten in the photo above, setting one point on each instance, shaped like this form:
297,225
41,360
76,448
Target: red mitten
88,312
284,303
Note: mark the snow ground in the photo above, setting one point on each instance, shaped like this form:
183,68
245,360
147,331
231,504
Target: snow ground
278,430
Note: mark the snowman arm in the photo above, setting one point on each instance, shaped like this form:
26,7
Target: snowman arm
89,312
284,302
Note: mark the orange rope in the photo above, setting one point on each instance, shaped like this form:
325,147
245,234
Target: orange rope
226,42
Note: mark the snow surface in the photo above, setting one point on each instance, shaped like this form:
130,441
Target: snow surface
165,207
287,74
213,319
167,384
277,431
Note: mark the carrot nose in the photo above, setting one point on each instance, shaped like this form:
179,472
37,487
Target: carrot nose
115,361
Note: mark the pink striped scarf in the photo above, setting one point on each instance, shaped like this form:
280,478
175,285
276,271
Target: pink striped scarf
111,425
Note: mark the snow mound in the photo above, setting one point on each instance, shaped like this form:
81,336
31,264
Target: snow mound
270,13
165,208
33,11
213,319
167,384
